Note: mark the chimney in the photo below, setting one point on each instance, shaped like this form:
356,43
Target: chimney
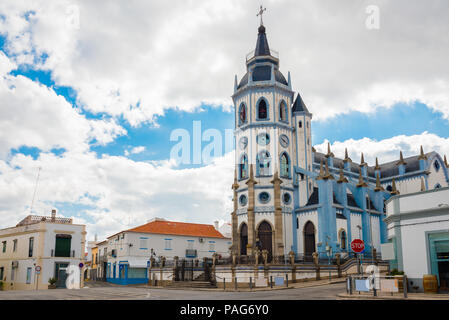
53,215
216,224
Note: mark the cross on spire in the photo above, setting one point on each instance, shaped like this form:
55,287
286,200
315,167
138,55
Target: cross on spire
261,10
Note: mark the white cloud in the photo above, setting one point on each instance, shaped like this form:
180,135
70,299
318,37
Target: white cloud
388,149
137,60
121,192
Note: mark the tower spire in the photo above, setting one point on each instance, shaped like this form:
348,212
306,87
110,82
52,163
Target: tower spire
342,178
329,153
422,156
377,165
394,191
346,159
361,182
362,161
378,185
401,159
262,48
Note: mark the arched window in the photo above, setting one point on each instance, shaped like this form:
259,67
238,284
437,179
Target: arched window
285,165
263,163
343,239
243,167
242,114
262,110
436,165
283,114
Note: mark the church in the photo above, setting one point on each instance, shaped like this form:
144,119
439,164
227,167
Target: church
289,197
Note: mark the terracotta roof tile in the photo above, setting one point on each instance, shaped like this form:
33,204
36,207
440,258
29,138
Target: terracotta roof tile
179,228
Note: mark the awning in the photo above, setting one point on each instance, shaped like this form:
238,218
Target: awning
135,262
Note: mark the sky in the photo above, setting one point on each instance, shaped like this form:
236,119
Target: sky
95,96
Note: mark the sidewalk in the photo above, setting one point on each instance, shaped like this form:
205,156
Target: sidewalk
411,296
230,287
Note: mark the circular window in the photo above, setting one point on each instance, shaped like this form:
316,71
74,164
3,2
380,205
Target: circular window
283,140
263,139
243,200
286,198
264,197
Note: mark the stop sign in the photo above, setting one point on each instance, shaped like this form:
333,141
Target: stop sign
357,245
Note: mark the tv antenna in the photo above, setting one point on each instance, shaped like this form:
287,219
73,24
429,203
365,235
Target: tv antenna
35,189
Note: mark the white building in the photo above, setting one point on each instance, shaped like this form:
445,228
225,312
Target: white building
128,252
418,228
51,243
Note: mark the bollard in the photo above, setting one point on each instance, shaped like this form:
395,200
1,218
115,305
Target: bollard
271,282
286,277
224,284
350,285
374,286
404,285
235,283
250,283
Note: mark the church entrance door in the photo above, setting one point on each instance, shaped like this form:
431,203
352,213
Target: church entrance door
243,239
309,240
266,240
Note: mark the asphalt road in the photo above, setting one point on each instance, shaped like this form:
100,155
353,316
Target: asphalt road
323,292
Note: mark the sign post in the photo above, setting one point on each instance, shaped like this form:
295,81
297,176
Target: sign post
38,271
357,245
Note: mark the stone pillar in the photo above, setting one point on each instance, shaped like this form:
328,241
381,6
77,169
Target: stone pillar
150,275
337,258
234,220
292,263
251,218
278,224
317,265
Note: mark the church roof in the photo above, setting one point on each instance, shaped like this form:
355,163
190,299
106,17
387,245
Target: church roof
262,48
389,169
299,105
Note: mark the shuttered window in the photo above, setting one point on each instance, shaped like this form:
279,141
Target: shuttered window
63,245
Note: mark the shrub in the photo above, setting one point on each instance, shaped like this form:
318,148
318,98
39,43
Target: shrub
52,281
396,272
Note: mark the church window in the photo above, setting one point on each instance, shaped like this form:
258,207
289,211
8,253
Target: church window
283,111
286,198
264,197
242,114
262,110
263,163
243,167
285,170
300,124
436,165
243,200
343,239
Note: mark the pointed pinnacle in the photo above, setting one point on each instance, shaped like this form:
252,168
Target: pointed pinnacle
445,162
329,153
394,191
362,161
346,159
342,178
378,185
276,178
235,185
401,159
377,165
361,182
320,176
327,174
422,156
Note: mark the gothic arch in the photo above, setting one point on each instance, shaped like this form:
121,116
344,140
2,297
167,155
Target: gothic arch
242,114
343,239
243,232
309,236
265,235
262,109
263,163
243,166
285,165
283,111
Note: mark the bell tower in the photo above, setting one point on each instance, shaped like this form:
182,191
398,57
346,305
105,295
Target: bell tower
265,154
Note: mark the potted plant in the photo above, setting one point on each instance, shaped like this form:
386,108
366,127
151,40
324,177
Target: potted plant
52,283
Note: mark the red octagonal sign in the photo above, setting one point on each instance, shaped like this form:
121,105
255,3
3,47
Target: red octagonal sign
357,245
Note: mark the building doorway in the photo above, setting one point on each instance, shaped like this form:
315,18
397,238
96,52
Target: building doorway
439,255
243,239
266,238
60,274
309,240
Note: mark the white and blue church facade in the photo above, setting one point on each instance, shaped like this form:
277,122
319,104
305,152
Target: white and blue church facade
289,197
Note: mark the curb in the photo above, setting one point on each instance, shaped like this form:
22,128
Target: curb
346,296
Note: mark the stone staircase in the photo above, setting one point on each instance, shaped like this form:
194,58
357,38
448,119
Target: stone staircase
199,282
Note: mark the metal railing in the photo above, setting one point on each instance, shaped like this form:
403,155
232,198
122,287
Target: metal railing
377,285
